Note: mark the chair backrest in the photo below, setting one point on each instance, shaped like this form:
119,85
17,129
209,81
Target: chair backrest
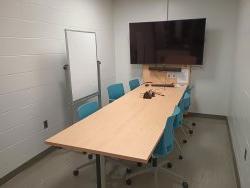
134,84
115,91
87,109
179,118
166,143
187,101
189,89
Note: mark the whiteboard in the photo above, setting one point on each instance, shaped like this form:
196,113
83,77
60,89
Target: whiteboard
82,57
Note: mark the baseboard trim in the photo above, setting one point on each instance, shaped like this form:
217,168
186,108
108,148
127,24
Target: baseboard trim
193,114
26,165
237,175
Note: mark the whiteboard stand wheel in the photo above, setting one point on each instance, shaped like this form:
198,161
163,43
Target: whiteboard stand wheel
65,67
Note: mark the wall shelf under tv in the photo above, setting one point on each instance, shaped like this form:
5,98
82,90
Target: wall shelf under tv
167,69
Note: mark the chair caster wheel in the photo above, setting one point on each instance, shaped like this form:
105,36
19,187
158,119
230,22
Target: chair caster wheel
184,141
169,165
191,131
128,182
90,156
76,172
139,164
185,185
194,124
128,170
180,157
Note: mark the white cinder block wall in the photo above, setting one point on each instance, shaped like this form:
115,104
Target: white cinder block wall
240,100
32,81
212,82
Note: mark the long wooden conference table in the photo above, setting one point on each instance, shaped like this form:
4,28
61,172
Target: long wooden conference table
128,128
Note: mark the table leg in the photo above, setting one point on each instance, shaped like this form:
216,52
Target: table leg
100,172
103,172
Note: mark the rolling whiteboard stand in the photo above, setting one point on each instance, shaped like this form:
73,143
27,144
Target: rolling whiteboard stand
83,77
83,68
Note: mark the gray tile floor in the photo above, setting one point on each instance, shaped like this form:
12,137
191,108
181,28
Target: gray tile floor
208,163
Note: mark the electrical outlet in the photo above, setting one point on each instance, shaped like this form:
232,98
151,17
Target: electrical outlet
45,124
245,154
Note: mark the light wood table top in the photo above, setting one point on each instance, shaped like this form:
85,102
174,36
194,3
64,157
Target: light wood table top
129,128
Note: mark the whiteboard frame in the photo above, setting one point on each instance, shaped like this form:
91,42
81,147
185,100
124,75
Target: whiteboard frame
66,67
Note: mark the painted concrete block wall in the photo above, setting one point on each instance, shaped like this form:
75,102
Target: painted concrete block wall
239,118
212,81
32,81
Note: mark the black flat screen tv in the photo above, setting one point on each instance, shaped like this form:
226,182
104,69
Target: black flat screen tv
168,42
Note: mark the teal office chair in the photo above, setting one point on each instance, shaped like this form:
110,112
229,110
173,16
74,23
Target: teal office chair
179,123
163,149
182,104
115,91
87,109
187,95
134,84
187,105
84,111
189,89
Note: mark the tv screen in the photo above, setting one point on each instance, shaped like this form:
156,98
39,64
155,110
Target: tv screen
168,42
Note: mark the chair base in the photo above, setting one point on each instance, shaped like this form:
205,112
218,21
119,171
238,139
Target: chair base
179,148
76,171
160,168
185,134
188,129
